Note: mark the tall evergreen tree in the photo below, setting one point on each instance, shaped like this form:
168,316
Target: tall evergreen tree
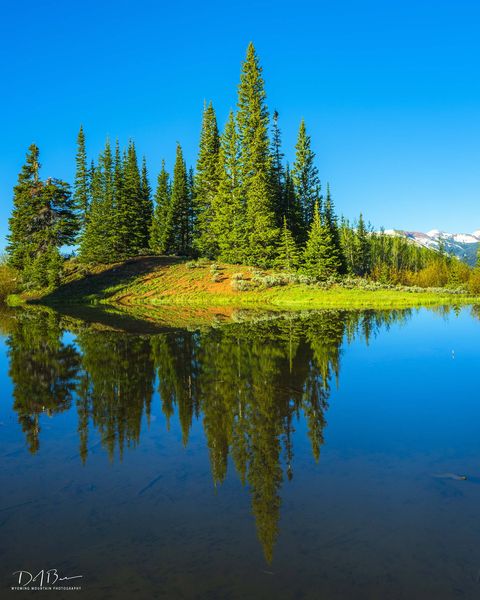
132,225
228,206
27,204
331,223
361,265
181,207
255,163
305,175
44,218
118,199
320,258
146,207
82,186
278,173
161,230
293,210
100,239
206,183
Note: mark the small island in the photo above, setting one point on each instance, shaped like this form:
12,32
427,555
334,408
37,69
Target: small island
244,228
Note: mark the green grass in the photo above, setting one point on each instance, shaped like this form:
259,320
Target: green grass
304,297
152,282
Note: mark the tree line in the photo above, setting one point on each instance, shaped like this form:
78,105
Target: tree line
242,204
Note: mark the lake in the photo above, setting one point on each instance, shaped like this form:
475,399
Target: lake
310,455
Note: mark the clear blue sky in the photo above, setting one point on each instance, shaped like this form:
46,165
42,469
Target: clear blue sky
390,91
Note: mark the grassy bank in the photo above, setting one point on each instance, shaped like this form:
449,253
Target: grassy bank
166,281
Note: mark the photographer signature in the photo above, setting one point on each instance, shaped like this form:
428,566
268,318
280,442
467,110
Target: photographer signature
42,578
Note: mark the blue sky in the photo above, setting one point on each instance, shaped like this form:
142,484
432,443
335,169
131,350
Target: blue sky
390,91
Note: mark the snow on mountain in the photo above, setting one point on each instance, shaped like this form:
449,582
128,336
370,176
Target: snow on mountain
465,238
463,245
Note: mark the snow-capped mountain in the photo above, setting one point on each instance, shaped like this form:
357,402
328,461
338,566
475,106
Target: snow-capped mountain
463,245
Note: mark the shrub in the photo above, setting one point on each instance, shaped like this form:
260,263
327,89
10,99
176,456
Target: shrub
8,281
242,285
435,274
216,277
237,276
474,282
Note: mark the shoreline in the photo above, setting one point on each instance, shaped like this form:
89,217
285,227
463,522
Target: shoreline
172,282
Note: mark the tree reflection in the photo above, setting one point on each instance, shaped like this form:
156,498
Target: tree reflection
43,370
249,382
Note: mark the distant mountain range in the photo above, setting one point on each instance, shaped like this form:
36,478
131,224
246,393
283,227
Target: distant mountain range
463,245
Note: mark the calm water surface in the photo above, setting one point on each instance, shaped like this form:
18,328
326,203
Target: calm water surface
289,457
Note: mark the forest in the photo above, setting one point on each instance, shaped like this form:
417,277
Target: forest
241,204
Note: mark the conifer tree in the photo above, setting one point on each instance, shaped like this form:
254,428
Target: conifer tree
305,175
82,186
288,256
98,243
180,207
320,258
255,163
27,204
131,213
332,225
191,204
118,200
146,207
361,260
43,219
161,230
228,206
59,219
278,173
206,184
293,210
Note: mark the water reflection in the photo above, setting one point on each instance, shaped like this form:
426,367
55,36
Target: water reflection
249,383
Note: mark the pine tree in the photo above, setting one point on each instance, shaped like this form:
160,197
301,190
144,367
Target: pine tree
255,163
161,230
180,207
332,225
361,261
82,185
131,213
305,175
99,241
146,207
288,256
228,206
293,210
43,219
118,200
320,259
27,203
60,218
206,184
278,174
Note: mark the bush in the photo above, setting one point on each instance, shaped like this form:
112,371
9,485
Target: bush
216,277
8,281
474,282
237,276
436,274
242,285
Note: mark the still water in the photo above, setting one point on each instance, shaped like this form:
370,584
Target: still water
311,456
